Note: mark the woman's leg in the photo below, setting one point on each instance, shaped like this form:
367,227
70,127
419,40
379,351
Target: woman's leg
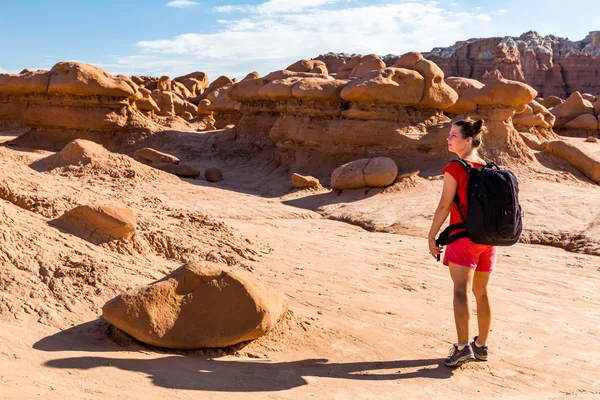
484,307
462,278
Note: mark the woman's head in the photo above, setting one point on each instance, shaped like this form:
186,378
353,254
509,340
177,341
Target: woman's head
465,136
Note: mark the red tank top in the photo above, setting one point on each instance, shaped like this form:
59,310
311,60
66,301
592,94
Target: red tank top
462,179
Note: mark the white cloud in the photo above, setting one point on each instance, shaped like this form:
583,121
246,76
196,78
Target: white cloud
502,11
181,3
274,35
276,6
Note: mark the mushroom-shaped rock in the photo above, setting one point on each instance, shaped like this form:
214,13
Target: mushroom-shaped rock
151,156
505,93
184,171
366,172
574,106
99,223
301,181
318,89
389,85
584,122
199,305
578,157
364,68
86,80
308,66
213,174
466,89
437,93
279,90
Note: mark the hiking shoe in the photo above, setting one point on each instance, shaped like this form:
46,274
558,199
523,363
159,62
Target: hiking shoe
481,353
458,357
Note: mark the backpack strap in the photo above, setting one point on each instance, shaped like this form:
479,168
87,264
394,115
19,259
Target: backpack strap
446,237
467,167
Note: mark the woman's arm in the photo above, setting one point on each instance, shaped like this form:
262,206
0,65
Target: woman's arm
442,211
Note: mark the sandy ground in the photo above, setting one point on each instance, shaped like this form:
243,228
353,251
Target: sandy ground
371,311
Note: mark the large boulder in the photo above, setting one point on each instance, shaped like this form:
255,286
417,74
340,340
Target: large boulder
466,89
586,122
199,305
99,223
505,92
390,85
366,172
318,89
86,80
578,157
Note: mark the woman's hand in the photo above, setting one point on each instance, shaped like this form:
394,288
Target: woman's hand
434,250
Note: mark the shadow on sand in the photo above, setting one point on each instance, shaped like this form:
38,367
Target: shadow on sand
192,371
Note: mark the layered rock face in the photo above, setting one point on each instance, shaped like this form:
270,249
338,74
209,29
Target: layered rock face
71,96
318,122
552,65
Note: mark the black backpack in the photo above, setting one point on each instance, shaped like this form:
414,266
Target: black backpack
494,210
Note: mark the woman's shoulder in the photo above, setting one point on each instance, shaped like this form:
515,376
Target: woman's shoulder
454,168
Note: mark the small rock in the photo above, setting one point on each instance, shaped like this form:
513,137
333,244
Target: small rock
100,223
407,175
301,181
150,156
213,174
591,139
187,115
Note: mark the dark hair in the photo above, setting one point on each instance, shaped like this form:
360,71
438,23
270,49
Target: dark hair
472,129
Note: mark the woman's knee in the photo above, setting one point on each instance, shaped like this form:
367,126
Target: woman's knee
461,291
480,292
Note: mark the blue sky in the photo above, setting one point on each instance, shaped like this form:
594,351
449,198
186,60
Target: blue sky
161,37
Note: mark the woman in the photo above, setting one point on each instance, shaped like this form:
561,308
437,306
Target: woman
470,264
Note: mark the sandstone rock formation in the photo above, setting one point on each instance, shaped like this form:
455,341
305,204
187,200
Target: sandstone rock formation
199,305
149,156
552,65
579,157
374,172
72,96
301,181
99,223
213,174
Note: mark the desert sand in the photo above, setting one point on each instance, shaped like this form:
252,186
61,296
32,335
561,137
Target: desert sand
370,312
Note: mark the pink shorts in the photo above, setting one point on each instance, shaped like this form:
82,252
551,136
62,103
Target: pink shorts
479,257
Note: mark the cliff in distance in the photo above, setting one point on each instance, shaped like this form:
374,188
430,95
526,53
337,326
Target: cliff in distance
552,65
